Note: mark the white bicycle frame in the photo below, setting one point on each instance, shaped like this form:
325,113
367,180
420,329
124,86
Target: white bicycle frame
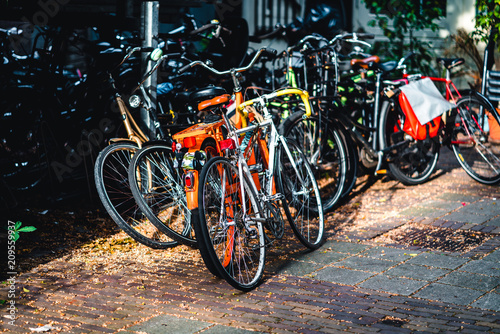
272,143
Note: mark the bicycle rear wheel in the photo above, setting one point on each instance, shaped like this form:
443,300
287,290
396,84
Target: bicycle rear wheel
302,201
325,149
111,178
471,141
411,161
158,189
230,234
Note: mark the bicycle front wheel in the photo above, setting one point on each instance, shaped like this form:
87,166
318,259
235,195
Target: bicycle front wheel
302,201
230,234
111,178
159,191
410,161
471,140
326,152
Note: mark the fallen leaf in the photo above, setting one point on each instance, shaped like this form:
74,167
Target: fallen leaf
45,328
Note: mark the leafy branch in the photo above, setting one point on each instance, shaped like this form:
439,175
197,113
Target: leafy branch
487,21
398,21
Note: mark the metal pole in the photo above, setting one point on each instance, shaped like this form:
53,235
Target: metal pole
149,23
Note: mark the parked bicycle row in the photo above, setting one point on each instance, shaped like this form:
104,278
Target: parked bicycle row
290,150
235,150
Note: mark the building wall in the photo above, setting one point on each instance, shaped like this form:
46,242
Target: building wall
459,14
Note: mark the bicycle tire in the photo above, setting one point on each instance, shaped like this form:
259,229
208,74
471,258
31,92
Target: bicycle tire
225,241
327,155
352,160
111,178
471,141
302,202
158,189
411,163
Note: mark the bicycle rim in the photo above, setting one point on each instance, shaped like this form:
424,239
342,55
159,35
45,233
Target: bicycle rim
302,203
111,177
159,192
410,163
229,236
471,142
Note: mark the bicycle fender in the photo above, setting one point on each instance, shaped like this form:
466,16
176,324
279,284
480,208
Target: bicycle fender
192,194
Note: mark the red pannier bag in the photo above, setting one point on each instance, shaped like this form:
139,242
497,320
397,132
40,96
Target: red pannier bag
412,126
423,105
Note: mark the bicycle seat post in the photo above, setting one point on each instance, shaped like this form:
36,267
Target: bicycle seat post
448,75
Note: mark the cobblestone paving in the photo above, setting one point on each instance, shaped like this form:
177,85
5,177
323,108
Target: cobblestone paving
359,281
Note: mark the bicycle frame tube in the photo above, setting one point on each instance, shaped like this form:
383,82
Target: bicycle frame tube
449,93
376,109
134,133
304,95
289,154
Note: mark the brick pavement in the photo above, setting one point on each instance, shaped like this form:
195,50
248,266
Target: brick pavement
357,282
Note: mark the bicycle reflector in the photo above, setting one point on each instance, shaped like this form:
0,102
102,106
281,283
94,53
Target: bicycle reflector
189,142
189,180
227,144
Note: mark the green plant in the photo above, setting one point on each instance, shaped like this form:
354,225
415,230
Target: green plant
14,232
487,21
406,17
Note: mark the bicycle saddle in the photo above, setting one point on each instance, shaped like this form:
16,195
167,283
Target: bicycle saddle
388,66
450,62
366,62
222,99
206,93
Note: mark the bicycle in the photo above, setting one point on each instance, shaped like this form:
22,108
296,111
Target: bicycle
111,170
328,146
156,176
153,168
324,141
238,194
112,164
411,161
467,126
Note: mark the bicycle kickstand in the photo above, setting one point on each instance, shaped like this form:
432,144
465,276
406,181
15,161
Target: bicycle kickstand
378,170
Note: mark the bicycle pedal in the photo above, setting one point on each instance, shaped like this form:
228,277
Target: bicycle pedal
255,168
381,172
274,197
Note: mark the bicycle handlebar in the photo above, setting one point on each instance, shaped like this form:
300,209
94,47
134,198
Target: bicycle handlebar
403,59
300,43
158,63
304,95
267,51
279,29
204,28
214,24
350,37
